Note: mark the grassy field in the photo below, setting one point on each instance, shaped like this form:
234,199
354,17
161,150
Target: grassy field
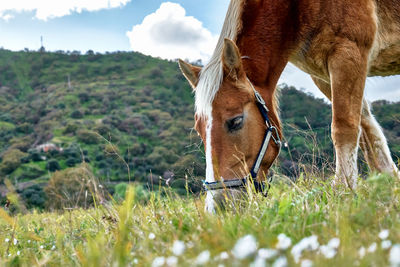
304,224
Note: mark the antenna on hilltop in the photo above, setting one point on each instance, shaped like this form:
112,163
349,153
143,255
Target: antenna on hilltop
41,45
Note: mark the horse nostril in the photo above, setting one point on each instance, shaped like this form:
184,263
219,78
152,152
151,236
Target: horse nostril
235,124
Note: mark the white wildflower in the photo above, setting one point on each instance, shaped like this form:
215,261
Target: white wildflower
18,253
267,253
308,243
29,241
384,234
327,251
334,243
258,262
178,248
203,257
224,255
135,261
9,255
158,262
41,246
15,241
152,236
280,262
53,247
361,252
372,248
306,263
245,247
386,244
172,261
7,240
284,242
394,256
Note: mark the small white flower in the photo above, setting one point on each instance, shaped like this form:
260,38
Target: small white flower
308,243
384,234
284,242
258,262
361,252
41,247
152,236
327,251
386,244
280,262
334,243
18,253
203,257
394,255
306,263
9,255
135,261
372,248
245,247
158,262
7,240
267,253
221,265
224,255
172,261
178,248
15,241
53,247
29,241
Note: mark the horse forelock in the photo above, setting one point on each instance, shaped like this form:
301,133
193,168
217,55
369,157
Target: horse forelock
212,74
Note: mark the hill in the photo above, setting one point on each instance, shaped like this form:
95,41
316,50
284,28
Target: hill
130,118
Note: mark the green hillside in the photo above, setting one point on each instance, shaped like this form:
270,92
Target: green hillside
130,117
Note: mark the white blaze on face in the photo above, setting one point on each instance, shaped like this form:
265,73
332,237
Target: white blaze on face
209,165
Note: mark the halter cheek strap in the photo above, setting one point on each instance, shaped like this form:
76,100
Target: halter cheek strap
270,133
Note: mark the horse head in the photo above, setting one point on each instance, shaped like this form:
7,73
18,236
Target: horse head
234,126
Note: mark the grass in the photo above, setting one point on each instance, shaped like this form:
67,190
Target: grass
143,234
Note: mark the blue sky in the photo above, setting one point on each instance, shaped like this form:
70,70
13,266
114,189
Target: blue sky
183,28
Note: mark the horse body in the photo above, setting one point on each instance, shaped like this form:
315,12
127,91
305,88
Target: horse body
339,43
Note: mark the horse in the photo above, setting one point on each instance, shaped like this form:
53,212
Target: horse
338,43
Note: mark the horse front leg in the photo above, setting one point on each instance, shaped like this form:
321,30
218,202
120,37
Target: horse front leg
372,140
347,67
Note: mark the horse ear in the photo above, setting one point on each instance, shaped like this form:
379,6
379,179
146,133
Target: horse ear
190,72
231,60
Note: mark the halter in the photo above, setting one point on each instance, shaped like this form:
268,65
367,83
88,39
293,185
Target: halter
260,186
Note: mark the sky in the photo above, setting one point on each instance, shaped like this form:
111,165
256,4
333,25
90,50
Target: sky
186,29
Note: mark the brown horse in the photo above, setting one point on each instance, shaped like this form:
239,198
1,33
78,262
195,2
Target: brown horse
339,43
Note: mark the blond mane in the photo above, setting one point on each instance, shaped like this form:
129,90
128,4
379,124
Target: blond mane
212,74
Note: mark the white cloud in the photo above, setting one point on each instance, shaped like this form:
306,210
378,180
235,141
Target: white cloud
47,9
168,33
376,88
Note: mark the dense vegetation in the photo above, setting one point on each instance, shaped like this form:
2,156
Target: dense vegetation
310,224
128,117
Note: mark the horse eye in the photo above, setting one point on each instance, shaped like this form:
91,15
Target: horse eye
235,124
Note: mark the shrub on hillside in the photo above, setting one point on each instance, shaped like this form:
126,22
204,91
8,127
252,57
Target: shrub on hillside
76,114
72,188
87,137
33,197
11,160
53,165
70,128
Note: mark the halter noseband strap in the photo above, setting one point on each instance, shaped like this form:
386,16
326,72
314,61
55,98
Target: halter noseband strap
259,186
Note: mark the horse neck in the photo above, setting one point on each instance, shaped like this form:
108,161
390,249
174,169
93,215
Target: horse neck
270,31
